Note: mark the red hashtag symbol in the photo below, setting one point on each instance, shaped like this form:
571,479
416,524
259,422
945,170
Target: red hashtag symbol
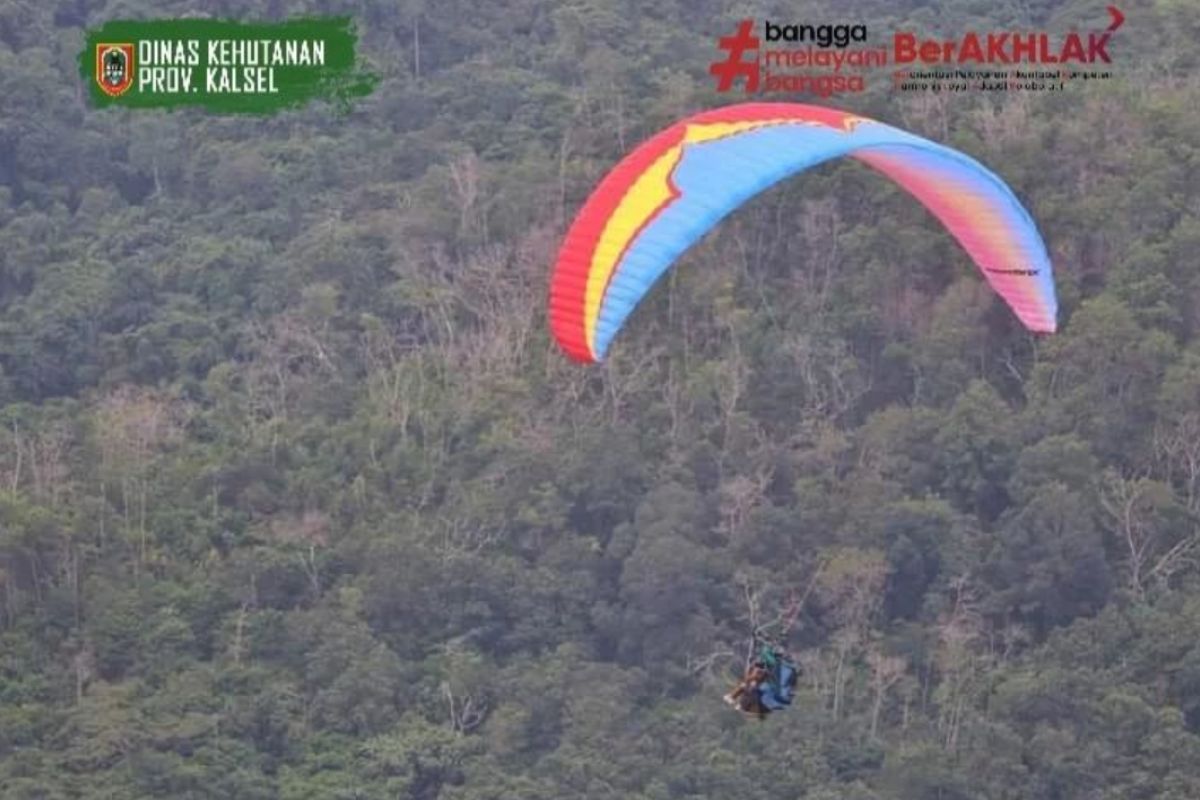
733,66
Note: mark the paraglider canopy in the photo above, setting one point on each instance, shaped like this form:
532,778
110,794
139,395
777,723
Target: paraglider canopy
677,185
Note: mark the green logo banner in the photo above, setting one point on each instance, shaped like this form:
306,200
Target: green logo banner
224,66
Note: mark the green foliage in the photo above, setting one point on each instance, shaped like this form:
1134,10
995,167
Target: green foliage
297,499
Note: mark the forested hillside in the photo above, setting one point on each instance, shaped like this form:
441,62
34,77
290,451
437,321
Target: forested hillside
299,500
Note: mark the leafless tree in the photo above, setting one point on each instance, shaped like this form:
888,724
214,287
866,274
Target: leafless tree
308,533
38,460
851,587
466,710
1134,511
739,497
886,671
1177,445
466,175
133,426
959,659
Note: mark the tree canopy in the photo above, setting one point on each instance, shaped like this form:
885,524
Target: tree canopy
299,500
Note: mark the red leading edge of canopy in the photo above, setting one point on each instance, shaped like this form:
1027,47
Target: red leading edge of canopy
568,286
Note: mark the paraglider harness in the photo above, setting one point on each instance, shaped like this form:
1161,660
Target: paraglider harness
770,677
769,680
776,690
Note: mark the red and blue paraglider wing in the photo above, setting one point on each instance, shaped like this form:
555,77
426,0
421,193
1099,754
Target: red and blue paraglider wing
676,186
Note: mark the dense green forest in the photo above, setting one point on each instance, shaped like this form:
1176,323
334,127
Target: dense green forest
299,500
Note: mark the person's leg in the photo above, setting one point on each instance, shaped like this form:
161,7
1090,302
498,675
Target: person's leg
751,699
